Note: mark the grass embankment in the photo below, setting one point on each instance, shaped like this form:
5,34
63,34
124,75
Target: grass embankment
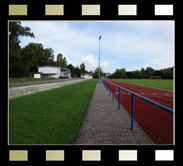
161,84
50,117
27,79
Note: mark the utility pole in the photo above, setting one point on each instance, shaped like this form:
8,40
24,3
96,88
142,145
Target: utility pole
99,60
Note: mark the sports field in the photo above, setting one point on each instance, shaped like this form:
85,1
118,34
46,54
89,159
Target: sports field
156,83
155,121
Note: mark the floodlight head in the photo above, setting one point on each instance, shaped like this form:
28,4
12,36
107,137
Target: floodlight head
100,37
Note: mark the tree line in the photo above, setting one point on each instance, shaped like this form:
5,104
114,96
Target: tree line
166,73
24,62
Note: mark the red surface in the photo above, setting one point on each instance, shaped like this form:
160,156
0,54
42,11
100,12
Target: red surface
156,122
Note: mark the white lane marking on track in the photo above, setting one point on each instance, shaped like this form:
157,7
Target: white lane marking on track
155,94
149,93
142,93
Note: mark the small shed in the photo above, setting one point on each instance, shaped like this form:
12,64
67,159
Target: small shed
87,75
37,75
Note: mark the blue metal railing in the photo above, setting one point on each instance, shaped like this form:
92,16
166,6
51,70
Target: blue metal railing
106,83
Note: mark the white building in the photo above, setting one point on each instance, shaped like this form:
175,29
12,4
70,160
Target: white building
87,75
52,72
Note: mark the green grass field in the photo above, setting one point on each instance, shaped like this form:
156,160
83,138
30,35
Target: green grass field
50,117
27,79
161,84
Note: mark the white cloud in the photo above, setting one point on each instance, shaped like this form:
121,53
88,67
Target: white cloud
89,62
105,64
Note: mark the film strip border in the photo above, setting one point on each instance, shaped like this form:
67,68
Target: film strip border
91,10
91,155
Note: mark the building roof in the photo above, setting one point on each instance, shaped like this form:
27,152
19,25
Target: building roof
50,66
64,69
38,72
83,74
48,73
58,67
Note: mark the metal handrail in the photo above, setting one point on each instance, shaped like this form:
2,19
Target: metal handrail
135,94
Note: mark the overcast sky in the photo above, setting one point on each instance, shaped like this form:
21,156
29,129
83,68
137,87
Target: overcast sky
124,44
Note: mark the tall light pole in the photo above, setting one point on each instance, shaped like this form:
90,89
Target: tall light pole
99,60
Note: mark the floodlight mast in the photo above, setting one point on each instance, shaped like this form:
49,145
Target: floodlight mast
99,59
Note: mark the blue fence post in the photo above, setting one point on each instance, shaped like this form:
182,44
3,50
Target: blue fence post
110,89
113,94
132,115
119,99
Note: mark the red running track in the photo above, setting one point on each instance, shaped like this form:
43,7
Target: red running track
156,122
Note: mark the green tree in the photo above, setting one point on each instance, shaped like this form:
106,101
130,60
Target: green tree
64,62
137,74
82,68
16,31
73,69
120,73
17,67
170,73
34,55
166,73
78,72
96,72
49,57
59,59
143,72
149,72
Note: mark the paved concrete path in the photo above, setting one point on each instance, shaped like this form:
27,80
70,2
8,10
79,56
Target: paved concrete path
105,124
